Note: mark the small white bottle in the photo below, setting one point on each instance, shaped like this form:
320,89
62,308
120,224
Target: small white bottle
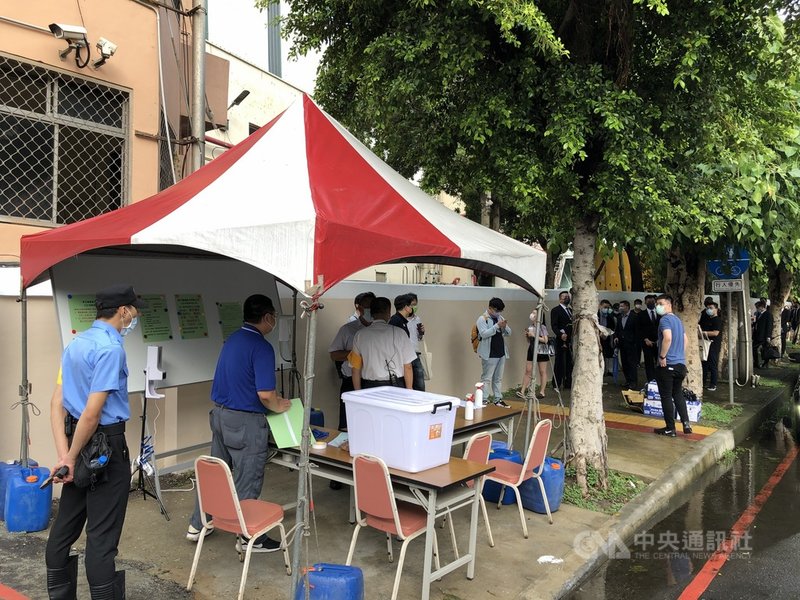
479,395
469,408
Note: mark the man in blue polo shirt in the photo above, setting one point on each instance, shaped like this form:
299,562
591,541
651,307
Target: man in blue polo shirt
243,392
92,395
671,369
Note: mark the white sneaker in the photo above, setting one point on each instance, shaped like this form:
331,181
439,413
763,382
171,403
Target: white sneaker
193,534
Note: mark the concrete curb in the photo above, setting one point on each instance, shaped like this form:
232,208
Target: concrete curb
638,513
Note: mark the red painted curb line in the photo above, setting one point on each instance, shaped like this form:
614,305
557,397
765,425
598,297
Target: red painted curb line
6,593
706,575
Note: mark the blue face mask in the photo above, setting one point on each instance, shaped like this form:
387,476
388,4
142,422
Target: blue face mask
710,312
367,316
126,330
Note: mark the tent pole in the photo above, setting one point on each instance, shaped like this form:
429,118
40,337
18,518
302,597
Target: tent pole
301,514
24,386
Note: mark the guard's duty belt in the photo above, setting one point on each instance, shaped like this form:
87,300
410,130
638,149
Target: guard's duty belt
70,423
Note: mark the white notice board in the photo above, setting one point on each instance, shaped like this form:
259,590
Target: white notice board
200,283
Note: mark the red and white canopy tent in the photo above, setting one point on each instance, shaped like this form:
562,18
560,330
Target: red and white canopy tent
301,199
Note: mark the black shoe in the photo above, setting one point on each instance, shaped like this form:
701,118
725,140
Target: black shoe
261,545
336,485
62,584
687,429
664,431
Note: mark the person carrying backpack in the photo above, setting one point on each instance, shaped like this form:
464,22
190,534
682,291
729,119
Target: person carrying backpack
492,329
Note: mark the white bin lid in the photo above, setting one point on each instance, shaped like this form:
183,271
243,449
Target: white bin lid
401,399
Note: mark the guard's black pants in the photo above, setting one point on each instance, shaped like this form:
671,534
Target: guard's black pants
102,510
629,357
347,386
670,388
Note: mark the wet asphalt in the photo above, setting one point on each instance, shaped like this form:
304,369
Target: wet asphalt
666,561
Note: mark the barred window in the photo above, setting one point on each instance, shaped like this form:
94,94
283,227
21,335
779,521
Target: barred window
63,145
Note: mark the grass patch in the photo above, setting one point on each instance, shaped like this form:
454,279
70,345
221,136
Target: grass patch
770,382
621,489
729,456
714,414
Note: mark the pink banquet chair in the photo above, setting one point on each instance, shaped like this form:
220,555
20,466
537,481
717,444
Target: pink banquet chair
511,474
377,507
477,450
248,518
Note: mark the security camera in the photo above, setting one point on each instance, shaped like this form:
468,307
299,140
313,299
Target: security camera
72,33
106,48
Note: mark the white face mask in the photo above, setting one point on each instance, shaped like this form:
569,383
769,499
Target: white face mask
533,317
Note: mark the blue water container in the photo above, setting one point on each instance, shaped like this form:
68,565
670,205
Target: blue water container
553,479
332,582
491,489
27,507
317,418
7,471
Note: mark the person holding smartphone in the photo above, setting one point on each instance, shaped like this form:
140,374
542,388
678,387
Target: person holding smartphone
492,331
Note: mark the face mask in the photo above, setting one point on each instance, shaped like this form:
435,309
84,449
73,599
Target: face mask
637,307
367,316
661,310
710,312
413,310
607,311
131,326
623,311
532,317
651,305
567,301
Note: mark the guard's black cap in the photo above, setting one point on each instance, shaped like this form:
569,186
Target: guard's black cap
118,295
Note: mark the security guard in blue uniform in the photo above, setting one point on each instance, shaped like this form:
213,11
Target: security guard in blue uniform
92,396
243,392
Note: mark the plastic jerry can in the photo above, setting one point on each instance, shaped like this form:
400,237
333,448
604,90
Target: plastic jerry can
7,471
553,479
491,489
332,582
27,507
317,418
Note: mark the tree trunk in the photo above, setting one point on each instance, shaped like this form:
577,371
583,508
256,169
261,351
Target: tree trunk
779,285
587,429
637,282
686,281
550,269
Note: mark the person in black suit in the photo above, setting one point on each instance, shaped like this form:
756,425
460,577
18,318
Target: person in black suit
627,341
762,335
561,322
605,317
647,325
786,318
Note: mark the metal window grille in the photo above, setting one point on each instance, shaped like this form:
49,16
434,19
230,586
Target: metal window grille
63,145
166,177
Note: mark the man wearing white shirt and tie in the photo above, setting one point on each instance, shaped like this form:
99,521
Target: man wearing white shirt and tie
561,322
648,334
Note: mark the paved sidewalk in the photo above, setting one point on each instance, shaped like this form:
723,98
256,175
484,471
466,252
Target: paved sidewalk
158,558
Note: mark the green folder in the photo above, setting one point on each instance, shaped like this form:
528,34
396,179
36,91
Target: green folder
286,426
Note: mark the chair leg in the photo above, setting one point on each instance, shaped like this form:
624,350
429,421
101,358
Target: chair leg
353,544
196,559
500,499
521,512
544,497
285,547
485,520
436,553
389,550
400,567
248,553
449,518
